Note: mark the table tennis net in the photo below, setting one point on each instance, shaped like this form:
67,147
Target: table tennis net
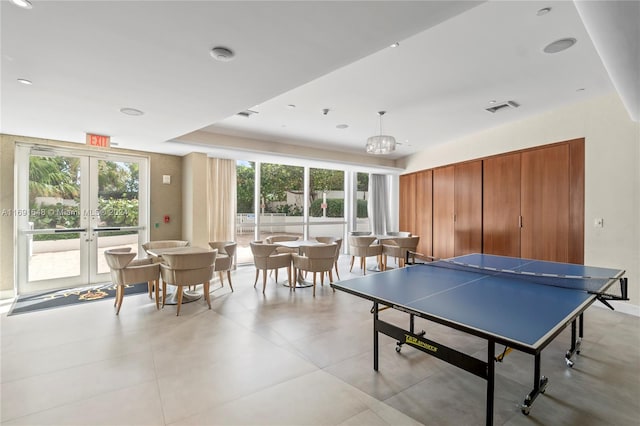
588,284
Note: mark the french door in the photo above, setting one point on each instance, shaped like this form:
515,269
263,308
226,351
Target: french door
71,207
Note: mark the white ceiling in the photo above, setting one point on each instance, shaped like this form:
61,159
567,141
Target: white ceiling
88,59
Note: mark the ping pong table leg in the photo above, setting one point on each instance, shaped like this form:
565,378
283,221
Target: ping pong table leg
375,336
575,340
491,368
539,386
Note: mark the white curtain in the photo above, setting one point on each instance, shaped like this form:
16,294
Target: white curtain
221,199
378,205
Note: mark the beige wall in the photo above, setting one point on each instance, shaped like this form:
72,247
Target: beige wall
612,173
165,199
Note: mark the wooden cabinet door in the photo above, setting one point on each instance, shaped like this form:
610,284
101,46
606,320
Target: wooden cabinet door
424,211
545,203
443,211
501,205
468,208
407,203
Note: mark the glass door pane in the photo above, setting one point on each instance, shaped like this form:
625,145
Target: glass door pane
117,220
362,198
281,200
51,222
246,217
326,204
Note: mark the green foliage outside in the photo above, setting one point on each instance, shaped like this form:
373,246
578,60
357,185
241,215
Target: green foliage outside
289,209
361,209
335,208
113,212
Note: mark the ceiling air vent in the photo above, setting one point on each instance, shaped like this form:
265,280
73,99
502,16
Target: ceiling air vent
246,113
501,106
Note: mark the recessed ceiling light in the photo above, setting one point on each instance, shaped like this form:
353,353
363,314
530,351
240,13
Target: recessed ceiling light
342,126
396,44
222,54
582,89
543,11
25,81
292,106
560,45
491,102
131,111
25,4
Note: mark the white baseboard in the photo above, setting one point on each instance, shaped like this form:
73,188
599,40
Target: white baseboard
7,294
624,307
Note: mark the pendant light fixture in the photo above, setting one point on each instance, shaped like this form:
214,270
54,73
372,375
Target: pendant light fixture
381,144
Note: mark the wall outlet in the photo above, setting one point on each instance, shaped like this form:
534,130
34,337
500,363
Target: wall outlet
599,222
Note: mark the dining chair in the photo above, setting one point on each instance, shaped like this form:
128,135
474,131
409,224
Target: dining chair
186,269
363,247
224,259
266,258
338,241
150,245
279,238
126,271
318,258
398,248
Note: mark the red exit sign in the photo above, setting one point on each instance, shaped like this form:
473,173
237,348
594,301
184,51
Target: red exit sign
98,140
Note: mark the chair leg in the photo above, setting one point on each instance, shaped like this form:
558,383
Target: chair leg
119,291
155,286
150,288
257,273
229,278
264,280
295,277
314,284
164,292
331,279
321,278
337,273
289,278
221,276
351,266
179,290
364,266
206,293
276,276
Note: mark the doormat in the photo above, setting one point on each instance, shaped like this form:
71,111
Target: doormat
58,298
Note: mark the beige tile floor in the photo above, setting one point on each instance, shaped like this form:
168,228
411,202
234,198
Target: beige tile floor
286,358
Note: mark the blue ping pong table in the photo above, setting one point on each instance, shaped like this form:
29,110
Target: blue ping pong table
522,304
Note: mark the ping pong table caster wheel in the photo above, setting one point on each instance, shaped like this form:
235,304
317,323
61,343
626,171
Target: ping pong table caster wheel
543,384
569,362
398,347
526,407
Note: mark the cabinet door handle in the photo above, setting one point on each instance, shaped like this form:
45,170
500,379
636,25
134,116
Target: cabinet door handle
520,221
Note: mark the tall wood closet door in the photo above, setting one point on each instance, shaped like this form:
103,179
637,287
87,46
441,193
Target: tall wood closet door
468,208
407,203
424,212
501,205
443,211
545,203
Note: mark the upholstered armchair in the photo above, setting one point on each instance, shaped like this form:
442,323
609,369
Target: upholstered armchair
266,258
150,245
398,248
278,238
363,247
126,271
186,269
224,259
338,241
320,258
